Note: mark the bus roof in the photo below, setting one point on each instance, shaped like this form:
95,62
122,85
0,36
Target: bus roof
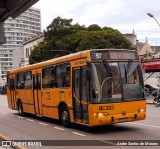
74,56
62,59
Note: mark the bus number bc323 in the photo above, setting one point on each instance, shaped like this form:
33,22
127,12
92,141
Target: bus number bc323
106,108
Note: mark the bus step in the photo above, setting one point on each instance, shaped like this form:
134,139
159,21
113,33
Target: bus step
39,115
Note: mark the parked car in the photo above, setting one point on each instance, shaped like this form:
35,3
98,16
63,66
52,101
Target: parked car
150,88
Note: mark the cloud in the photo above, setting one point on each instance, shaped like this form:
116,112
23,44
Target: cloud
123,15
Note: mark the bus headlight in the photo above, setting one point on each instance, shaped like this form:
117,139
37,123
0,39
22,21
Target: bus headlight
141,110
100,114
94,114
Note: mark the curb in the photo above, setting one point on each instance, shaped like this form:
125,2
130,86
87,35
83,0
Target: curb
150,103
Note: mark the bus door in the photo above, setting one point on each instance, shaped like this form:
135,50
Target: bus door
12,93
37,94
80,97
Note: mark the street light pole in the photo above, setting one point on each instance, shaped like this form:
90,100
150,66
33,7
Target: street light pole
152,16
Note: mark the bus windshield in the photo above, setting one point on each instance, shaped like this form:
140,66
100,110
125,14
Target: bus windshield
111,82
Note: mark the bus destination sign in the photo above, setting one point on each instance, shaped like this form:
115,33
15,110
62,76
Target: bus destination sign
114,55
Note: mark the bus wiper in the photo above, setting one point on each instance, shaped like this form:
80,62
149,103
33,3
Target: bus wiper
108,68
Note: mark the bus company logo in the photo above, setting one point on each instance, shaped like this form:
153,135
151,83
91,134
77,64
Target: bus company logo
15,144
6,143
102,108
124,113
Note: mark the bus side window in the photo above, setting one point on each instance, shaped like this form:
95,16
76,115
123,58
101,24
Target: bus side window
84,84
77,83
62,75
20,81
28,80
12,82
8,82
48,77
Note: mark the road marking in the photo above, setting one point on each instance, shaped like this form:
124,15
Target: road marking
145,125
11,114
59,128
30,120
3,112
19,116
43,124
76,133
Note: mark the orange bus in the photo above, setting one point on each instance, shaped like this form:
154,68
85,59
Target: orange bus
93,87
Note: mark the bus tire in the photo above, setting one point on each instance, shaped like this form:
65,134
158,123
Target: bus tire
20,108
64,116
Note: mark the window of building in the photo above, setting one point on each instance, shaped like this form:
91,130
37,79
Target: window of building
27,52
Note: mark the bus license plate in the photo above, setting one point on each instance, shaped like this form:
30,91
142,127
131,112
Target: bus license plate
123,120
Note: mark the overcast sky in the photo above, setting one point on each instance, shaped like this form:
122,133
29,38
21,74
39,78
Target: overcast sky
123,15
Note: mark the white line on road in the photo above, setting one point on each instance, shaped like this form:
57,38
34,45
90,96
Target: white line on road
3,112
59,128
76,133
19,116
11,114
30,120
43,124
145,125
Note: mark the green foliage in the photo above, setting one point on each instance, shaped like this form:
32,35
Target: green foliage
39,54
94,27
61,35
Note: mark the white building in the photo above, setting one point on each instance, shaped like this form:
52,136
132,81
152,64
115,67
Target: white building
28,46
17,56
28,24
21,57
1,83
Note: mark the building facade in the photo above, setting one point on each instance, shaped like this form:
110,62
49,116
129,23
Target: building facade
147,53
22,59
131,37
28,24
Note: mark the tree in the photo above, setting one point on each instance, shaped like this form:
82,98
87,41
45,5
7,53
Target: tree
40,53
61,35
94,27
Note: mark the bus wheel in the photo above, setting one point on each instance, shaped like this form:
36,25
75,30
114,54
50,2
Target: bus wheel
20,108
64,116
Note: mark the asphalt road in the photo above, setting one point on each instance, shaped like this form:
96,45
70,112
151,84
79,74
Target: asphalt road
30,127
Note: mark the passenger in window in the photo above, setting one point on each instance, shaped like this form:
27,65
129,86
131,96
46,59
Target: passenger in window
51,85
21,85
64,81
